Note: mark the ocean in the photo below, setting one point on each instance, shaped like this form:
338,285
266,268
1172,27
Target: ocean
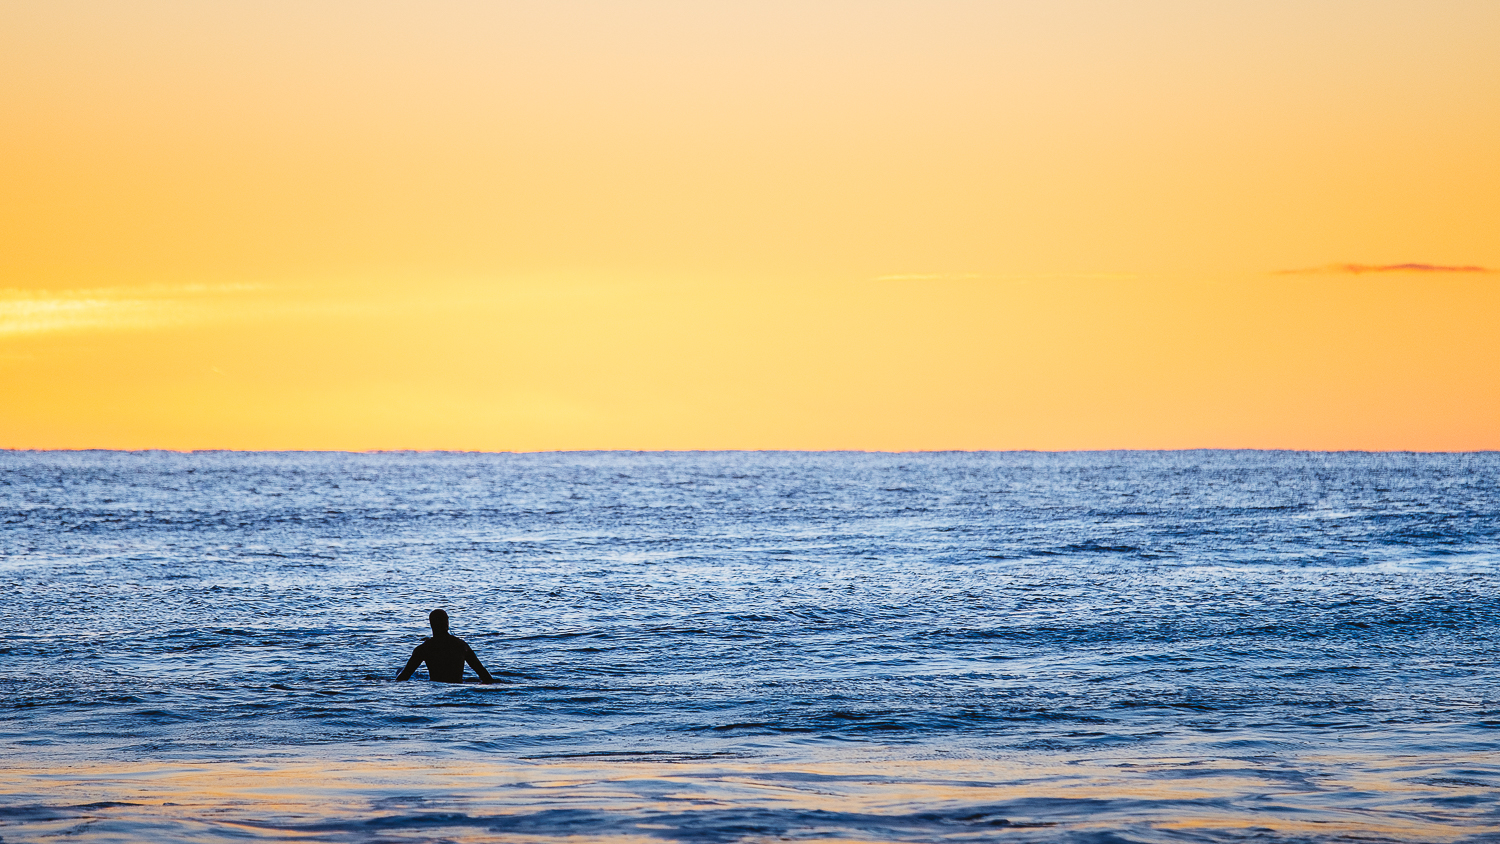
1195,646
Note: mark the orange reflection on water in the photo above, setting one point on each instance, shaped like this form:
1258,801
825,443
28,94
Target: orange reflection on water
652,797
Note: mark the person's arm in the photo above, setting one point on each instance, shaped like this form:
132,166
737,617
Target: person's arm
473,660
411,664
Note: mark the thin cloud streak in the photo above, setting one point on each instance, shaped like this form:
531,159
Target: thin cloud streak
34,315
48,311
1007,277
1360,269
930,277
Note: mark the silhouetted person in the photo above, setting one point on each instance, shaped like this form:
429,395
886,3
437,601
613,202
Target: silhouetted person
444,654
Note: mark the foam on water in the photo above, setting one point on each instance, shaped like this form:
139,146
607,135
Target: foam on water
1111,646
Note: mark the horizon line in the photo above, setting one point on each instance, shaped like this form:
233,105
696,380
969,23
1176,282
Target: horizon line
439,451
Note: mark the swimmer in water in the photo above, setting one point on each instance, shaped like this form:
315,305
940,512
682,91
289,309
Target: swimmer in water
445,655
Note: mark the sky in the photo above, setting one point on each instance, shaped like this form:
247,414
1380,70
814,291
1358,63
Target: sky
859,225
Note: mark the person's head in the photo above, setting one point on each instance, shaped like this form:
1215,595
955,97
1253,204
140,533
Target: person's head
439,621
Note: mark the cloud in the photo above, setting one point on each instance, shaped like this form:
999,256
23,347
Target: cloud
50,311
1359,269
929,277
1004,277
35,314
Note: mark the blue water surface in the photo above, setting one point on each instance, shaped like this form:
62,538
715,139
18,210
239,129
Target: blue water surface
1325,622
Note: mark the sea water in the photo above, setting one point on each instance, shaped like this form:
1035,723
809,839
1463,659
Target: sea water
726,647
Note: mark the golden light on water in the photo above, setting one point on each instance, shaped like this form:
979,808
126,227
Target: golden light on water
1348,795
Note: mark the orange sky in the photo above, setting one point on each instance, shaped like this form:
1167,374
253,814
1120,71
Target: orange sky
682,225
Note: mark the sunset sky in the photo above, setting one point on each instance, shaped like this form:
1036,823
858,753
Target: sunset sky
700,225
